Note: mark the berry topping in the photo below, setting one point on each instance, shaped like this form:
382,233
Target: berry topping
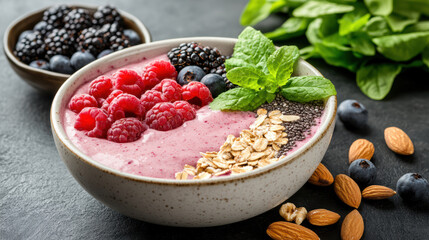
61,64
189,74
58,42
353,114
101,87
79,102
128,81
125,105
197,94
157,71
363,171
132,36
215,83
413,187
40,64
104,53
105,104
125,130
106,14
185,110
163,117
170,89
152,97
30,47
94,120
80,59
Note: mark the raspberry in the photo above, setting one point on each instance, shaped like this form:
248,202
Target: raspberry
156,71
152,97
129,82
163,117
170,89
185,110
79,102
94,120
101,87
196,93
125,105
125,130
109,99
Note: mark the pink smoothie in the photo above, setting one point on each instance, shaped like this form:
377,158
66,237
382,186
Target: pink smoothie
161,154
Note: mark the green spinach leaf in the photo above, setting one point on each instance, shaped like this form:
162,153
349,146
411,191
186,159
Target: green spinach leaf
402,47
376,80
314,9
257,10
293,27
377,27
398,22
379,7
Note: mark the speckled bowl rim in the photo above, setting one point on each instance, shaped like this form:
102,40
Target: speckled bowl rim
58,130
9,54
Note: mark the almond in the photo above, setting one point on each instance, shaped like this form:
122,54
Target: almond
322,217
321,177
361,148
347,190
290,231
353,226
398,141
377,192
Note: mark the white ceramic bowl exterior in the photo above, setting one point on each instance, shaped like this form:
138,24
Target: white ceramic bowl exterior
188,203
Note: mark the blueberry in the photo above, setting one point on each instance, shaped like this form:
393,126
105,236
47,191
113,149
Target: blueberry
189,74
80,59
23,34
104,53
215,83
363,171
61,64
353,114
413,187
133,37
40,64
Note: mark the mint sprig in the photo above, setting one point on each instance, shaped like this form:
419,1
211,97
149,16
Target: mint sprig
262,71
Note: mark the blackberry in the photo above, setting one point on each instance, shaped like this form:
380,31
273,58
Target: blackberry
106,15
58,42
77,20
30,48
43,27
209,59
54,16
93,40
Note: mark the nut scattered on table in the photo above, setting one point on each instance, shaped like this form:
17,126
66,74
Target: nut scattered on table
353,226
398,141
290,231
321,176
377,192
347,190
322,217
361,148
291,213
256,147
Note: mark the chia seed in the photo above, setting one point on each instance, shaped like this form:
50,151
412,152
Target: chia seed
300,129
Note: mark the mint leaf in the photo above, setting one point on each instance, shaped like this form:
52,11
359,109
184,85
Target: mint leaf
257,10
247,77
402,47
242,99
293,27
282,62
314,9
307,88
252,48
376,80
379,7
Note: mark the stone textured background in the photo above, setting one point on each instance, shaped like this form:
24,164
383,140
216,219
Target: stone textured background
39,199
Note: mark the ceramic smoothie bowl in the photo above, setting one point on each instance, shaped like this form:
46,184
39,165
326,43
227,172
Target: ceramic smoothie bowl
188,203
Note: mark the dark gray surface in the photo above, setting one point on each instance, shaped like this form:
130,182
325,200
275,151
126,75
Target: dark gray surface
39,199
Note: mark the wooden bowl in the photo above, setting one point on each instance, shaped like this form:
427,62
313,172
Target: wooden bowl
44,80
